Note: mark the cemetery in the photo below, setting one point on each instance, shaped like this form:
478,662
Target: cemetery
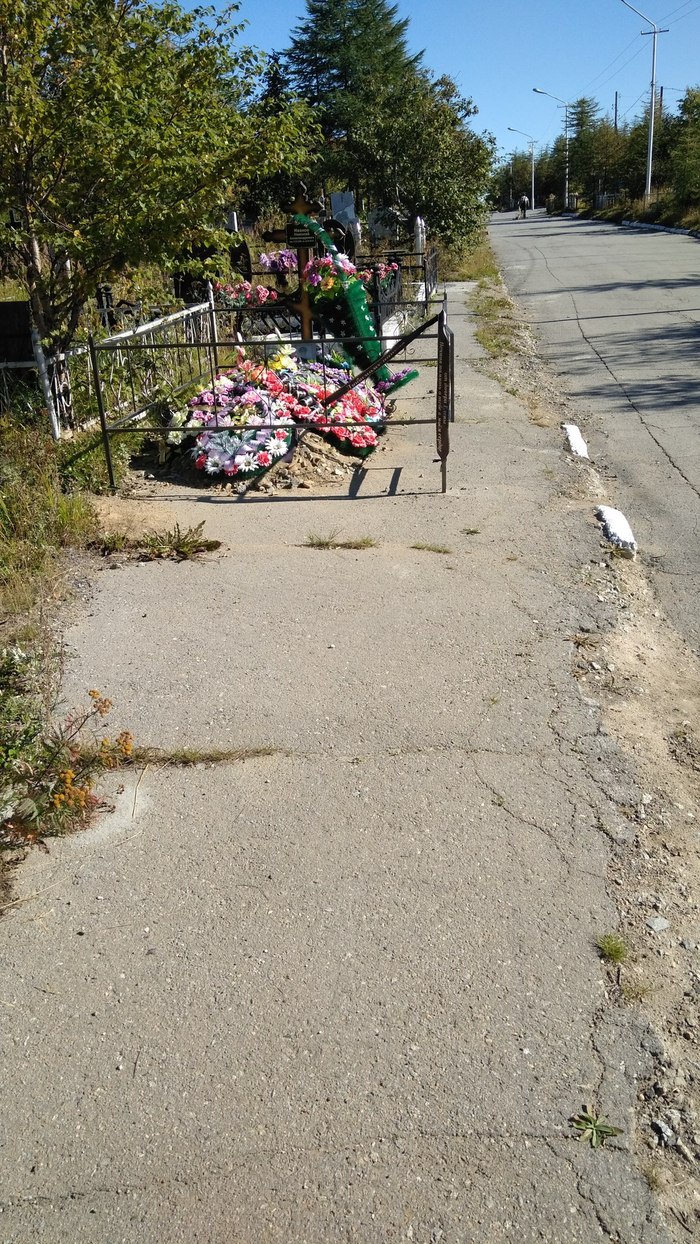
232,383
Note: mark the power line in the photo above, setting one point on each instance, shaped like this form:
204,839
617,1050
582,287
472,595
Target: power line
612,62
634,105
684,15
621,67
674,11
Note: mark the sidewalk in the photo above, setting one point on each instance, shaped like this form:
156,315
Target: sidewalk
346,991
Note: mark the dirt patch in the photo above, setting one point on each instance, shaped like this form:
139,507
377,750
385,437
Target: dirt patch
131,515
646,680
315,465
513,359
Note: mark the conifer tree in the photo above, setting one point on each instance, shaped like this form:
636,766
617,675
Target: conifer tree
342,59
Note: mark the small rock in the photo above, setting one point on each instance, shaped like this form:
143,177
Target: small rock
657,924
304,483
666,1137
688,944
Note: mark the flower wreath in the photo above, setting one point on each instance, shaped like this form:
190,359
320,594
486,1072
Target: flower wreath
245,422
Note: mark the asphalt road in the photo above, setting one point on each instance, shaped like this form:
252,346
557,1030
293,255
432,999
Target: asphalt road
618,314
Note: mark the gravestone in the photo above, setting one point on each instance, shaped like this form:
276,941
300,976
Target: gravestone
343,207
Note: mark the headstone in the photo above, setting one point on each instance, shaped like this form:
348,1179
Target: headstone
383,223
343,206
419,237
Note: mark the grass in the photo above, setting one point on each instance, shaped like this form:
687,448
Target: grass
153,545
612,948
497,325
178,544
663,211
315,540
37,520
471,531
82,465
472,264
113,542
47,777
635,990
432,548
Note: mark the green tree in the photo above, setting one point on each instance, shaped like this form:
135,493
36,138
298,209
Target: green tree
126,129
419,153
685,154
583,119
343,59
393,134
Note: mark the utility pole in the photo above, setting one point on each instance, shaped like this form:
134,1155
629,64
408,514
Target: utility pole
616,112
566,106
654,32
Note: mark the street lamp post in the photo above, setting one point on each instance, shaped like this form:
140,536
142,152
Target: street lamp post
532,162
654,32
537,91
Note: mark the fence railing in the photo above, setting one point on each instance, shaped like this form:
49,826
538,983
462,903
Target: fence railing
133,380
214,348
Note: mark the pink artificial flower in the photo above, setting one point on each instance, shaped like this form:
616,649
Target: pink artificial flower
263,459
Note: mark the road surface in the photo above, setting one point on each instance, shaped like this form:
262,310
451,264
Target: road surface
618,314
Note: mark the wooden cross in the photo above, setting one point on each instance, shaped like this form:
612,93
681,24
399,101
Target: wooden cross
301,206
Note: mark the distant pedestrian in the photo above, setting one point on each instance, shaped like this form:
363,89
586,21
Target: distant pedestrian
523,203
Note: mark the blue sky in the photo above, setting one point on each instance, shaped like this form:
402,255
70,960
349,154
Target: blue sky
497,50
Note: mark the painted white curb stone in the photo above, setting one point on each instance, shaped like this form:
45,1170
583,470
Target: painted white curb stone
577,445
617,530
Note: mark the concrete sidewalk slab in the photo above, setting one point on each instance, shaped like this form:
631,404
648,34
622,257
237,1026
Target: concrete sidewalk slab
349,990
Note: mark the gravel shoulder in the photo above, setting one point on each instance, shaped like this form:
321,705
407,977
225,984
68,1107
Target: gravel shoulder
347,990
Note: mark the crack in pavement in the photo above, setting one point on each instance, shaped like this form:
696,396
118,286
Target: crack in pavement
644,422
394,1143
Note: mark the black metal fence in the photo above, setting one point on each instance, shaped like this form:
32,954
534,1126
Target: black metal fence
220,339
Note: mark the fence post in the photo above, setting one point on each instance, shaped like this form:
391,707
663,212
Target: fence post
212,328
376,305
46,384
101,410
444,403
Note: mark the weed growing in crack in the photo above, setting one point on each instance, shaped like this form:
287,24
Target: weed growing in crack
47,775
178,544
612,948
315,540
635,990
592,1127
432,548
113,542
186,757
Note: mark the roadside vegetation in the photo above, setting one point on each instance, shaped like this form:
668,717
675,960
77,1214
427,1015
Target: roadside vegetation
607,166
